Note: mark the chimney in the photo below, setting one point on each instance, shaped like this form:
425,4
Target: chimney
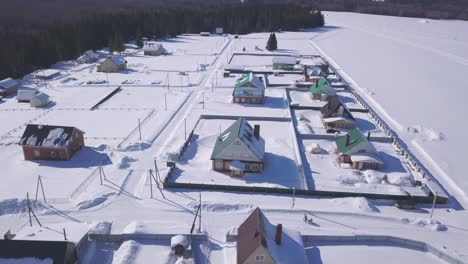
260,78
257,132
347,140
368,135
279,232
306,74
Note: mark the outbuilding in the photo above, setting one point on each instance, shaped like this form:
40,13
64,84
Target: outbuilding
8,86
114,63
25,95
285,63
239,149
153,49
88,57
44,142
39,100
47,74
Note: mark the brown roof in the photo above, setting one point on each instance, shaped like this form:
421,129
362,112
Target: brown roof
250,235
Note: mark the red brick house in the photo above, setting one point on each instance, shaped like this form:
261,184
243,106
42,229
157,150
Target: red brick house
43,142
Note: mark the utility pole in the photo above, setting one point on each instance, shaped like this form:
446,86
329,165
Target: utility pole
39,182
199,217
203,99
139,127
433,205
185,128
165,101
294,197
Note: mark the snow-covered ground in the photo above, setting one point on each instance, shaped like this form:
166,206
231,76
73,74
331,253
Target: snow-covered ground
401,65
381,54
280,164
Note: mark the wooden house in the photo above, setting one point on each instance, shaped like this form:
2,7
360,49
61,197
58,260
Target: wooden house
322,90
285,63
8,86
259,241
249,89
356,150
44,142
334,114
239,149
114,63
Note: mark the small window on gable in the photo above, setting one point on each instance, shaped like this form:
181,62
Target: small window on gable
260,258
37,153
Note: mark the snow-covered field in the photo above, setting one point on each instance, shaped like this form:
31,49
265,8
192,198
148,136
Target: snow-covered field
400,64
397,64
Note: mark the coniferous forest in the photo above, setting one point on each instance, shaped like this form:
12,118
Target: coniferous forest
30,46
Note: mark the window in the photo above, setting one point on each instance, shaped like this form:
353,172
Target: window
52,154
219,164
260,258
254,167
37,153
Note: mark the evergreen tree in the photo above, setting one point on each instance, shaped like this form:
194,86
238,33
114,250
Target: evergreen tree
274,42
139,41
269,45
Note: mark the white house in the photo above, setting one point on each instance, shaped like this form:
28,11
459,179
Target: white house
39,100
114,63
153,49
249,89
8,86
239,149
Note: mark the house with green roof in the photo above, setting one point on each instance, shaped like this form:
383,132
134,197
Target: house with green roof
239,149
322,90
249,89
355,149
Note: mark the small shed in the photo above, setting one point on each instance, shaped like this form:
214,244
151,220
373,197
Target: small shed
285,63
25,95
8,86
153,49
205,34
114,63
88,57
39,100
219,30
315,149
179,244
47,74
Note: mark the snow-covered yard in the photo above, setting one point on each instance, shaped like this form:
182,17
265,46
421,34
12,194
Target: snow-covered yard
303,98
325,173
280,169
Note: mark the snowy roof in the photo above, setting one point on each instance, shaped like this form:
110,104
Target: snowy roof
48,73
41,96
316,71
284,60
338,118
239,136
366,157
7,83
117,59
355,139
91,54
257,231
314,61
249,85
335,108
152,46
180,240
47,136
25,94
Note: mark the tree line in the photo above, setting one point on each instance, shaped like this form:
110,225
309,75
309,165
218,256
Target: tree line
25,49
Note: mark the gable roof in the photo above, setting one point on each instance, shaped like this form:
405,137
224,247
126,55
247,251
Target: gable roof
117,59
333,108
25,94
257,231
243,131
284,60
47,136
355,138
7,83
249,78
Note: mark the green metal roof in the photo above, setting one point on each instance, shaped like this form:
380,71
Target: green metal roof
316,87
242,81
356,137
